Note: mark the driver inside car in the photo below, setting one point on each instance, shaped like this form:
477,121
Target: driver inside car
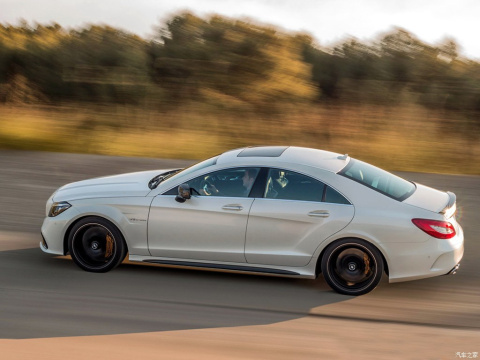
228,184
248,180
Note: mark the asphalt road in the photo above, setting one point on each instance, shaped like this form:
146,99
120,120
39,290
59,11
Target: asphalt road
48,303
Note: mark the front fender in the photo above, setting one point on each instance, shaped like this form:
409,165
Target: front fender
129,215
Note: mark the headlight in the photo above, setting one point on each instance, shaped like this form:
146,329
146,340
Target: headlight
58,207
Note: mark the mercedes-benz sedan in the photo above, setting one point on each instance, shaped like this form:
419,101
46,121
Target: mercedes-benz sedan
275,210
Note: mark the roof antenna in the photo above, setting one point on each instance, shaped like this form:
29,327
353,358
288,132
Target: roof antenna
343,157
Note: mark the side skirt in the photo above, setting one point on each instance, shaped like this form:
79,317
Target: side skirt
223,267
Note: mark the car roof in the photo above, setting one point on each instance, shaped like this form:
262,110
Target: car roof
271,155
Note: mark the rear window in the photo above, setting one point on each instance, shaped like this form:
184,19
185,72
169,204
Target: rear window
378,180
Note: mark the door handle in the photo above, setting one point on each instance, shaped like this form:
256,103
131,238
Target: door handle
232,207
319,213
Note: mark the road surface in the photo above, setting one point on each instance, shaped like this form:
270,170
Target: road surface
50,309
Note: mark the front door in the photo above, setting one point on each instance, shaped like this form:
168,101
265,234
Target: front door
211,225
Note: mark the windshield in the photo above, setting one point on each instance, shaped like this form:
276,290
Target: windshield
378,180
193,168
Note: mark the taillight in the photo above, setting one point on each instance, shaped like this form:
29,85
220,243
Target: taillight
435,228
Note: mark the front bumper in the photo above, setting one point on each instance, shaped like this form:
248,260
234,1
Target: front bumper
43,244
53,232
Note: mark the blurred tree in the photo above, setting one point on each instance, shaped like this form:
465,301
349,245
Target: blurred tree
50,58
232,63
246,61
325,67
105,64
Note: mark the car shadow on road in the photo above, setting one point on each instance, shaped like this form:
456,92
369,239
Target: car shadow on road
48,296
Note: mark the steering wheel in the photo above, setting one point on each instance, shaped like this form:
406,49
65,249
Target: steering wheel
207,187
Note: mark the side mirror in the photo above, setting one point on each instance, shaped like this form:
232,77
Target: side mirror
184,193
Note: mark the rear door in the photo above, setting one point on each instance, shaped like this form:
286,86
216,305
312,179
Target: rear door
295,215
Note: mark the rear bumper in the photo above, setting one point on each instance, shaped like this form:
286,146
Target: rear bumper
426,259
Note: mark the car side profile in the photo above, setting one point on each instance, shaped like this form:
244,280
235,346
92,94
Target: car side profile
277,210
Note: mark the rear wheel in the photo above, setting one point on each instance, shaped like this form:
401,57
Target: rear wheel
96,245
352,266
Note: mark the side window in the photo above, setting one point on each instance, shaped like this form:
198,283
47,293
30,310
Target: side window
289,185
237,182
334,197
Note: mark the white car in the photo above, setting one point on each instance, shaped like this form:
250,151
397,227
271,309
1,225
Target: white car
275,210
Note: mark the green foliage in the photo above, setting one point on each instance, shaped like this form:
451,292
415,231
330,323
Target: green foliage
251,63
91,64
232,65
398,68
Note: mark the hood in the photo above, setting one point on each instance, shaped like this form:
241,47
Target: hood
132,184
429,199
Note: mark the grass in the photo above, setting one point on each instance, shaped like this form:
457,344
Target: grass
407,138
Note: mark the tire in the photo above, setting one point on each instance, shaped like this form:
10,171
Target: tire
352,266
96,245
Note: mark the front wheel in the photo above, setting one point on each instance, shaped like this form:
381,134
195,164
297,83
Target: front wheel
96,245
352,266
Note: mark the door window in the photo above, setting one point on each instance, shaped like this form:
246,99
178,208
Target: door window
289,185
237,182
334,197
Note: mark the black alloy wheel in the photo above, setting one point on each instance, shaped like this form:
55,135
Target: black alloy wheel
96,245
352,266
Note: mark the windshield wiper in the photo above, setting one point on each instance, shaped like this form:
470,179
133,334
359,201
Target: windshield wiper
152,184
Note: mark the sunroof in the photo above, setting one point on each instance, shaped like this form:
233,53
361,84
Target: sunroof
263,151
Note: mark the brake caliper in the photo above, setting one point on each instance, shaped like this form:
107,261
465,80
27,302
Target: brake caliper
366,260
109,247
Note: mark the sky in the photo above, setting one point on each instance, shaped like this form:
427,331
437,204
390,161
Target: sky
328,21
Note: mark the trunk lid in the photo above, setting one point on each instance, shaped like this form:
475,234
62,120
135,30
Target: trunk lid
433,200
